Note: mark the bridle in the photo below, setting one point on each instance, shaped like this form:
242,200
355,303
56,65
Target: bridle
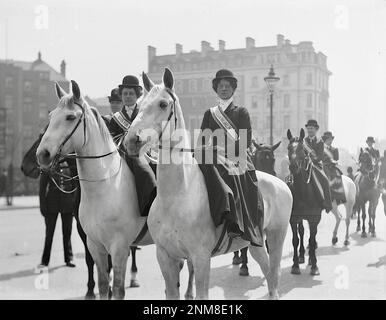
300,164
172,112
59,157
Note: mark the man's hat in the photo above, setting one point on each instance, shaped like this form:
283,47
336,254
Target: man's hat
129,82
370,139
327,135
312,123
115,95
224,74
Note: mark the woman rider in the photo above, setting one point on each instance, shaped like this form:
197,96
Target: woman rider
233,194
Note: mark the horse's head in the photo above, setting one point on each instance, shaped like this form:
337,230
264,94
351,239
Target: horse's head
156,111
65,127
264,158
296,153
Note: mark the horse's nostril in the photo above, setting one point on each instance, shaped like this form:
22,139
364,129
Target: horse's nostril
46,154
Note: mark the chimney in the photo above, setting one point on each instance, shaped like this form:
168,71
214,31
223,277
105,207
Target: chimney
221,45
287,42
151,53
205,47
39,56
249,43
63,68
279,40
178,49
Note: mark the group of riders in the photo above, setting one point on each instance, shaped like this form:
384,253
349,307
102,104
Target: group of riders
233,198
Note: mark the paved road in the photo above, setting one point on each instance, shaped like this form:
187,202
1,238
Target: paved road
354,272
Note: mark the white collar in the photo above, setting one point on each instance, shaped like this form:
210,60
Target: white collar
224,104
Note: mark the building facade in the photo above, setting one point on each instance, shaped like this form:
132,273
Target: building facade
301,94
26,96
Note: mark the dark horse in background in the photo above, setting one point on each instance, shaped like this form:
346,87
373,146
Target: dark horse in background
263,158
382,180
367,181
31,169
306,204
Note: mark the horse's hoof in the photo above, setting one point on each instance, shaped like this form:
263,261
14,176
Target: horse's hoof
315,271
295,270
301,259
110,293
236,261
90,295
244,271
134,283
309,262
334,240
189,297
364,234
358,228
373,234
346,242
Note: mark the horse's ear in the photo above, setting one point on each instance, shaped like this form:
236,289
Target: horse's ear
275,146
59,91
361,151
302,134
147,83
168,79
75,90
289,134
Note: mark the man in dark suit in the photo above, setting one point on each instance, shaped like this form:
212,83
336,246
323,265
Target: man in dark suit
315,147
57,196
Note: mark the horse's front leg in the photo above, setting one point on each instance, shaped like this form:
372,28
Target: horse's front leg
337,223
170,268
364,234
189,290
312,251
133,281
201,265
302,250
295,243
100,256
244,261
119,255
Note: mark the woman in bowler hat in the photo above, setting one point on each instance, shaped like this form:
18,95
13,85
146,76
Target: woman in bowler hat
233,197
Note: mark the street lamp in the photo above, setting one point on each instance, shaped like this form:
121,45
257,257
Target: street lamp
271,80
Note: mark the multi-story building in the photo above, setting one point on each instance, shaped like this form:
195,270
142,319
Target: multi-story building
26,96
301,93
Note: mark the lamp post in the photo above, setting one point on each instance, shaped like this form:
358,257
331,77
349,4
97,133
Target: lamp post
271,80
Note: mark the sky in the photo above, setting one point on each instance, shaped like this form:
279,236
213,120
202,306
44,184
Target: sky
102,41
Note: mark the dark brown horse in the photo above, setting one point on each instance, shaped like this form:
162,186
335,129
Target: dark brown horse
263,158
367,181
30,168
382,180
306,205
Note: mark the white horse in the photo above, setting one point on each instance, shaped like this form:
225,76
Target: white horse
108,212
179,220
350,191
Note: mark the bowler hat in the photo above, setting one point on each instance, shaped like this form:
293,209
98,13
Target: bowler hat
370,139
327,135
312,123
115,95
129,82
224,74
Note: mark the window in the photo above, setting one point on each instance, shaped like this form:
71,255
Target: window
43,111
42,90
309,100
255,82
8,101
309,79
286,80
28,86
179,86
287,121
286,100
8,82
206,85
254,102
193,85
